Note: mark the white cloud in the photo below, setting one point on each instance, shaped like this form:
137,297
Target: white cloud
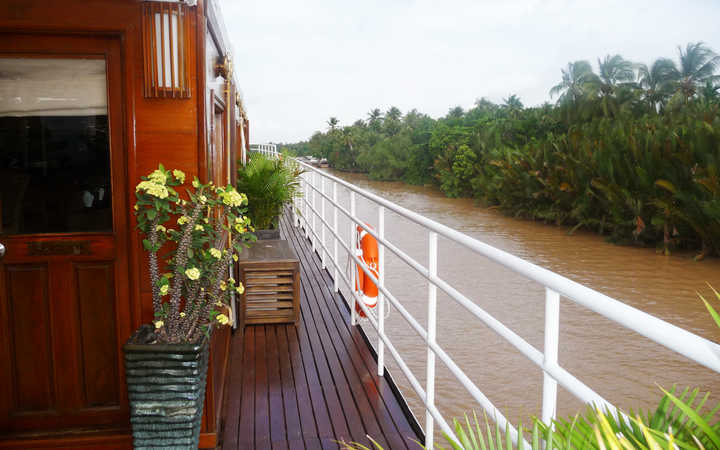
299,63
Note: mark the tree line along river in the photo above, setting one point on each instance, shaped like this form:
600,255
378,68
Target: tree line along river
622,366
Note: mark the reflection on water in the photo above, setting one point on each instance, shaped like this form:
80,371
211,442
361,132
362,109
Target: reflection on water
620,365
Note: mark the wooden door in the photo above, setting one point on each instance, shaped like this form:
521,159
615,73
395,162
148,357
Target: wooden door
64,307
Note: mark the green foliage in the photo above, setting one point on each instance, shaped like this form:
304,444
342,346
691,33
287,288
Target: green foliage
683,416
201,234
632,152
269,184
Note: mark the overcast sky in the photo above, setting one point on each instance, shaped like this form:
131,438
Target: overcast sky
301,62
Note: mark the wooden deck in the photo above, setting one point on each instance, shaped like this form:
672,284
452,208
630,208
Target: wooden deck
308,387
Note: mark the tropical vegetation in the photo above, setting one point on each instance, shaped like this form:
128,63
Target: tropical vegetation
628,150
269,184
191,240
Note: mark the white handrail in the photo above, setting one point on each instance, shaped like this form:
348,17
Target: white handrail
694,347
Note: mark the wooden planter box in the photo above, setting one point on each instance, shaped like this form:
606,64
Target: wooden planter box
270,272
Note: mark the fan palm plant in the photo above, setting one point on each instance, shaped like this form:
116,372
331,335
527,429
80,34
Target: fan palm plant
269,184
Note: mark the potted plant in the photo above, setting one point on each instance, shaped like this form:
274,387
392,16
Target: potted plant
269,184
166,361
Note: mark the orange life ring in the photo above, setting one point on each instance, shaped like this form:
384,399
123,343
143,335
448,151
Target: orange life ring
367,250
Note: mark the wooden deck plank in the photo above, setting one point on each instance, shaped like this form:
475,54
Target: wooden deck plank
246,429
311,385
362,372
262,413
356,346
316,363
346,375
289,392
278,432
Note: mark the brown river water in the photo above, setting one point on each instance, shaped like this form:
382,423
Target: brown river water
622,366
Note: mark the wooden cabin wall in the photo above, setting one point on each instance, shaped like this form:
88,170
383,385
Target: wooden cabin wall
171,131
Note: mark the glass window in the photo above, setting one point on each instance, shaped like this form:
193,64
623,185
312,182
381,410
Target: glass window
54,146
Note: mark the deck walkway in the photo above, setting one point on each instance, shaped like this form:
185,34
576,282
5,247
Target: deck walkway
309,386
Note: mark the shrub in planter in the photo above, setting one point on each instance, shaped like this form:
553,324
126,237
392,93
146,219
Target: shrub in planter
166,361
269,184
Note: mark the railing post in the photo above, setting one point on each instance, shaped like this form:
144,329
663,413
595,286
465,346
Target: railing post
381,296
353,268
431,334
552,336
306,203
336,281
322,219
314,208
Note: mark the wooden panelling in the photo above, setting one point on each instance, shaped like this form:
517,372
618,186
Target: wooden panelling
145,132
31,335
99,352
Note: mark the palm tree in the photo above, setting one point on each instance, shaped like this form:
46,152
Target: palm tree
614,71
455,113
393,114
333,123
513,103
697,66
391,124
375,118
575,80
655,81
615,74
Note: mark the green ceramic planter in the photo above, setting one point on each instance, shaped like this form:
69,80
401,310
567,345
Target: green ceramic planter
166,389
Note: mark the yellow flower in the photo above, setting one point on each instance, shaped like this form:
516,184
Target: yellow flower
195,183
183,220
239,228
235,258
193,273
180,175
158,176
154,189
215,253
232,198
164,289
206,220
219,303
202,199
240,289
223,319
182,314
160,228
198,227
239,219
159,324
136,207
231,280
223,286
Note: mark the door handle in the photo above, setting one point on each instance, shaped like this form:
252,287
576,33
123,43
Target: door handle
2,251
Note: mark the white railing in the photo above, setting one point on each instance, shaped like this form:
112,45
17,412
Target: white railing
694,347
269,150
